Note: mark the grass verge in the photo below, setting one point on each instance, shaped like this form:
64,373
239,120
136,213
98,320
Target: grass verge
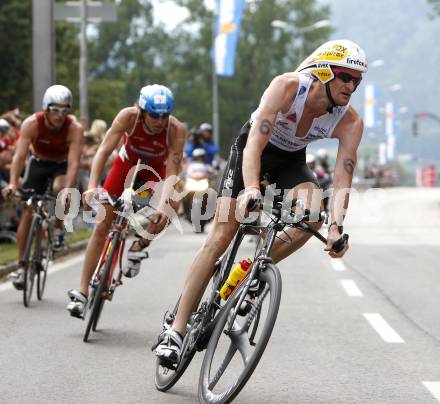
9,252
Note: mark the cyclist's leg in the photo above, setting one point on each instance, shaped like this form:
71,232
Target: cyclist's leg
22,233
286,244
94,248
221,233
59,183
35,178
137,251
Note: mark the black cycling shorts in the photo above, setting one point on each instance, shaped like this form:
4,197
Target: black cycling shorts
283,170
39,173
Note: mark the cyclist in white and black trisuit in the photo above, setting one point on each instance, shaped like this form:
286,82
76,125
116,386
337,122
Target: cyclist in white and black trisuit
296,109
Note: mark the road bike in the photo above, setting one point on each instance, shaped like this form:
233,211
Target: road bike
38,252
244,323
108,273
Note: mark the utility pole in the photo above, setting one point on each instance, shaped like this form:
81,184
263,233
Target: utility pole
83,107
83,11
215,108
43,49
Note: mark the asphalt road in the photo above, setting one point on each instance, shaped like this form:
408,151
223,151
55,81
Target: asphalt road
364,329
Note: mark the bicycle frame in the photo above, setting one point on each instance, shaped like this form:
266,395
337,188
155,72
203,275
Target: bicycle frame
119,226
219,277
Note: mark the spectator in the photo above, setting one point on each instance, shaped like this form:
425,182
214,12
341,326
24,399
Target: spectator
93,139
7,147
202,138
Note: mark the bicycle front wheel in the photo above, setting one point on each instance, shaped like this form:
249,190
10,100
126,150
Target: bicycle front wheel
46,258
29,256
166,378
238,341
96,297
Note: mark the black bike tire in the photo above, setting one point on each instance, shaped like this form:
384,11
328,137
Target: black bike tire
98,301
42,273
178,373
272,276
29,269
98,316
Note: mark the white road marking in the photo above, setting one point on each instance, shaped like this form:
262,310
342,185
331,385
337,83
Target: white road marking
383,328
351,288
54,268
434,388
337,264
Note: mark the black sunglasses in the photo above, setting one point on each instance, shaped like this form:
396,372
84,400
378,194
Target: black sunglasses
155,115
346,77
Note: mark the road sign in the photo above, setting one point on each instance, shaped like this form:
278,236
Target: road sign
96,11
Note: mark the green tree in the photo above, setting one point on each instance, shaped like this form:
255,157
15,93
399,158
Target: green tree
126,55
16,49
263,52
435,6
67,59
16,46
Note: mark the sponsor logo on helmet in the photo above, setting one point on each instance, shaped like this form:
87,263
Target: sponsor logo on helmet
160,99
323,72
356,62
335,52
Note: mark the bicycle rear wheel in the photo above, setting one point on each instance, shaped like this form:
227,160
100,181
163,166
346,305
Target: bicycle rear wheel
234,350
96,297
29,258
46,258
166,378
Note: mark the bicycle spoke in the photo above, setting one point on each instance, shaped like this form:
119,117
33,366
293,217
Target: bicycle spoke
221,369
241,342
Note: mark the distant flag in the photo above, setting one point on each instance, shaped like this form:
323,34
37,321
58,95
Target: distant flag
389,130
226,35
370,101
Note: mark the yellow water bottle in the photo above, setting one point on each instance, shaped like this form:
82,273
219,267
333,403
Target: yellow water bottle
236,275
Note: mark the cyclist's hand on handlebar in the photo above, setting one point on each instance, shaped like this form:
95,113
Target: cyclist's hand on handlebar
160,217
335,239
248,201
9,191
90,196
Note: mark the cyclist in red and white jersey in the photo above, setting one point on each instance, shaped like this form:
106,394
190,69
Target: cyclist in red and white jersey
55,139
150,133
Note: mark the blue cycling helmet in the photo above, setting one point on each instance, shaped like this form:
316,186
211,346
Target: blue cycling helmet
156,99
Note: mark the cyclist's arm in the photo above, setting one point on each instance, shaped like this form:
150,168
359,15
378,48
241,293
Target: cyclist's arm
176,142
349,133
76,143
277,97
28,131
123,122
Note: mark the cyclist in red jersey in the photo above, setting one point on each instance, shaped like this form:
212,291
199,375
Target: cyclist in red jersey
151,134
55,140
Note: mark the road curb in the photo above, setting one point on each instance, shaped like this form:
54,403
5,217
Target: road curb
75,247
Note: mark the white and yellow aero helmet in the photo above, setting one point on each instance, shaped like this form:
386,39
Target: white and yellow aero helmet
341,53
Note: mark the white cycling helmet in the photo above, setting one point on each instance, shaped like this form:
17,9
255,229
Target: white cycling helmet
199,152
4,126
57,94
340,53
206,126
